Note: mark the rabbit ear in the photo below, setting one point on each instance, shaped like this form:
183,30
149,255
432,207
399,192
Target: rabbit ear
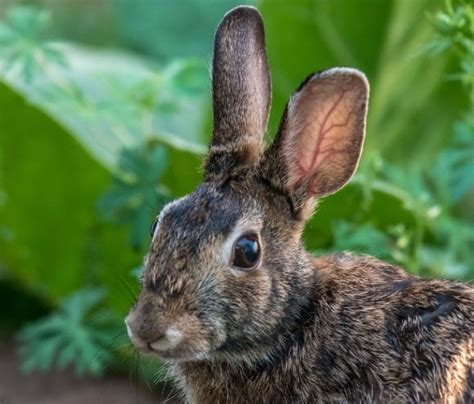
241,92
321,135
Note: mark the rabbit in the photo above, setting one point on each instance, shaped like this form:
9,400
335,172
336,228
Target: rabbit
231,300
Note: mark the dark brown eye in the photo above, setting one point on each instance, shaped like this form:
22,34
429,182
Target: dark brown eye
246,252
153,227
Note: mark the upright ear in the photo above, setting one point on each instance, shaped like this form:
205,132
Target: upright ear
241,92
320,139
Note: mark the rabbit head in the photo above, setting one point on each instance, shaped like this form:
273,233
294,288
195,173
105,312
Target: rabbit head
226,274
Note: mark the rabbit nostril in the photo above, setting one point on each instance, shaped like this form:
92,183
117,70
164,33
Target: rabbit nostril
136,336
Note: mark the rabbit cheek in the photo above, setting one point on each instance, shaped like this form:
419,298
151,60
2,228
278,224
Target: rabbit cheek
250,294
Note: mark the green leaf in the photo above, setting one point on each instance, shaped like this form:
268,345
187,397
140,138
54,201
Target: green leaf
28,21
110,101
189,77
453,172
56,242
72,334
22,43
136,196
363,238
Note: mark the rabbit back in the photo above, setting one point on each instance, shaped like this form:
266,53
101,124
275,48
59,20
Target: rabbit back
402,336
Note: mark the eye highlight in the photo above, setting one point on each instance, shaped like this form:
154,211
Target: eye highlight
153,227
246,252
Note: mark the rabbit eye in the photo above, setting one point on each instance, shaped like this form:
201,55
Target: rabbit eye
246,252
153,227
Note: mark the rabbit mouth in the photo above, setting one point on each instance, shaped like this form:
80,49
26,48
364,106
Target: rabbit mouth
180,354
178,349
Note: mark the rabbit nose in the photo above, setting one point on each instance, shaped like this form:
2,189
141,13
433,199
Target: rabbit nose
140,336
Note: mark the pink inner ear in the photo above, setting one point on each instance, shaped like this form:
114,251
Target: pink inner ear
321,129
323,136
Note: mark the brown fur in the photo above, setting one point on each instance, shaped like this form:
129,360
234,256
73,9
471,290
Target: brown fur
364,342
241,92
339,328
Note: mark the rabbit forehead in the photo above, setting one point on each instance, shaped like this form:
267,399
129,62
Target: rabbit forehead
206,211
196,222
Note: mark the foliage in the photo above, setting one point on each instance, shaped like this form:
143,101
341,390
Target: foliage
305,36
455,31
363,238
79,333
21,42
452,173
134,198
111,101
54,241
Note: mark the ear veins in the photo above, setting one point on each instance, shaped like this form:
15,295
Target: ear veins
318,153
331,147
322,132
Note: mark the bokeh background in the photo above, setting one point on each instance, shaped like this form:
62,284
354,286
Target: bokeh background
105,116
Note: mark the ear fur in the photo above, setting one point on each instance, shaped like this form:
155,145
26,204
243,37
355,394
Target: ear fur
241,91
321,135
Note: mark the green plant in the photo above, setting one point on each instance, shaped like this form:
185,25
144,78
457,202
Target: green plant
137,196
79,333
455,32
363,238
452,173
22,42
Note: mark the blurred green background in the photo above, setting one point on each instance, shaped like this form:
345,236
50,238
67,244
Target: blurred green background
105,116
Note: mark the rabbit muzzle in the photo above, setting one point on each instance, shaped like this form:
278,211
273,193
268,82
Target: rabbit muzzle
171,337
